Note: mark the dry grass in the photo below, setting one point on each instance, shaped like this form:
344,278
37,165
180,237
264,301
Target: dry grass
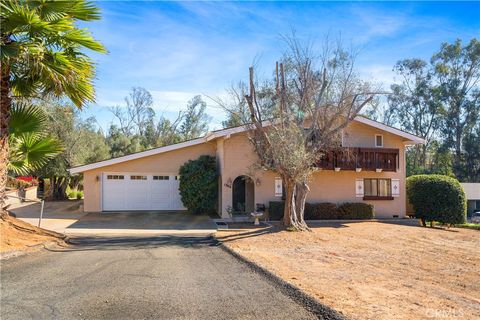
16,235
374,270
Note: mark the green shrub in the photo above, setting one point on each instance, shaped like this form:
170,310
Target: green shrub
79,194
437,198
356,210
275,210
198,185
321,211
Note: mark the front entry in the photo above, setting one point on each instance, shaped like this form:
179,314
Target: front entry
243,191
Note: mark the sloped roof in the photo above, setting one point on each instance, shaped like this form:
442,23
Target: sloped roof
410,138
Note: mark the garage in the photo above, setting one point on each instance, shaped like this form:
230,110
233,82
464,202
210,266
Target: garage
123,191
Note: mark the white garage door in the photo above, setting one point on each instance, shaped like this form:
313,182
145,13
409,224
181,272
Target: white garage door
138,191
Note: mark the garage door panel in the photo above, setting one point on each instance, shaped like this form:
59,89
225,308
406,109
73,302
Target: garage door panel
141,192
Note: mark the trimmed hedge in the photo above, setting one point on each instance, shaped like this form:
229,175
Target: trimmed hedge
321,211
437,198
198,185
356,210
326,211
275,210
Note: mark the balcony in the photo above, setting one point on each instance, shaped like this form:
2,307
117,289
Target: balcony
360,159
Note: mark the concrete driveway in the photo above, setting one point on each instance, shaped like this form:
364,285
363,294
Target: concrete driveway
140,278
57,215
142,223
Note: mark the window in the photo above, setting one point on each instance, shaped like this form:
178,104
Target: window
114,177
161,178
378,140
377,189
138,177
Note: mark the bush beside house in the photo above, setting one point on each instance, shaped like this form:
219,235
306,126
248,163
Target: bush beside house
198,185
437,198
327,211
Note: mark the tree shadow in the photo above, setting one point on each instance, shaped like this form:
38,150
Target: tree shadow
92,243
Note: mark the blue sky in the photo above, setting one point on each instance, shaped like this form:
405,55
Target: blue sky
177,50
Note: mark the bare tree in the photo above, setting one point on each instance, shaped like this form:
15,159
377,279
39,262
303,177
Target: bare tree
137,113
314,98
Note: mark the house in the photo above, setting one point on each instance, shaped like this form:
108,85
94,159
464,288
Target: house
149,180
472,192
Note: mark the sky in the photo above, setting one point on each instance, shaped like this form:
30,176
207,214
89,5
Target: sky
177,50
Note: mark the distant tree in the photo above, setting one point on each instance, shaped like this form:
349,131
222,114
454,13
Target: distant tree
121,144
43,53
471,145
82,143
137,114
416,107
195,119
457,71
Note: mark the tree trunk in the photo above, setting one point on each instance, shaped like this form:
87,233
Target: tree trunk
302,190
58,185
5,106
293,216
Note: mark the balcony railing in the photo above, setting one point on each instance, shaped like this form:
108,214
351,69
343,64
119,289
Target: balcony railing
360,159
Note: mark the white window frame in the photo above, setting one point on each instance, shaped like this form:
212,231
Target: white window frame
278,188
378,135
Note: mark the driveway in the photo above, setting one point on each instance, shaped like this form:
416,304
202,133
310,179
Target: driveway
166,277
142,223
57,215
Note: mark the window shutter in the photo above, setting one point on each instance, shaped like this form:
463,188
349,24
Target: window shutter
278,187
395,187
359,188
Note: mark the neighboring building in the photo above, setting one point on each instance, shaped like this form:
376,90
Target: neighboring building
472,191
149,180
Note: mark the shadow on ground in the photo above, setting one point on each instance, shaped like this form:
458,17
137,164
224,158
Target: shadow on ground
123,243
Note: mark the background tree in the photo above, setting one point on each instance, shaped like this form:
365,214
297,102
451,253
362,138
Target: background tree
315,97
416,108
457,71
137,113
42,53
439,101
83,143
195,119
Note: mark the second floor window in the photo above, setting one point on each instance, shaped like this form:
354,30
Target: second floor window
377,187
378,140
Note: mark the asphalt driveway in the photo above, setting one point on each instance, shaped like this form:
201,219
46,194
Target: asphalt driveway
166,277
142,222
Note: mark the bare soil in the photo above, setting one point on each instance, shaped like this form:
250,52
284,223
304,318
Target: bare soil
374,270
16,234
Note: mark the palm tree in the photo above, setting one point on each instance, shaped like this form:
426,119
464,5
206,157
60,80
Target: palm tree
42,54
29,143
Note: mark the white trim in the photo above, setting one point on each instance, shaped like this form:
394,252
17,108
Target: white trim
278,188
227,132
378,135
395,185
137,155
359,188
411,138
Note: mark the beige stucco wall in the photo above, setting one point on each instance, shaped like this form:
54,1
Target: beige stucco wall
164,163
235,157
326,186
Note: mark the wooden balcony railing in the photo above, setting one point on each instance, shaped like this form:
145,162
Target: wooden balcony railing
366,159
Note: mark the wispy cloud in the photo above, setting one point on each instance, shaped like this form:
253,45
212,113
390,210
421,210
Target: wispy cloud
178,50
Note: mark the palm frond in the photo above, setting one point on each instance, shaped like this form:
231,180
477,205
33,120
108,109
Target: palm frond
31,151
26,118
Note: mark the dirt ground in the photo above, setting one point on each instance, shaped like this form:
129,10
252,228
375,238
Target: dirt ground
16,234
374,270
